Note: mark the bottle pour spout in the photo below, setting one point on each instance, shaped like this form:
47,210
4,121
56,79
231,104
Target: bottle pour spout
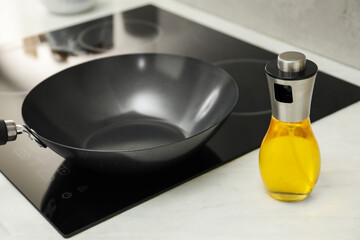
291,62
291,79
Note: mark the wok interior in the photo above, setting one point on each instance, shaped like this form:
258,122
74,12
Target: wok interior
130,102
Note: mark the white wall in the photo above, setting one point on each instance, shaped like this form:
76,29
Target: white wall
327,27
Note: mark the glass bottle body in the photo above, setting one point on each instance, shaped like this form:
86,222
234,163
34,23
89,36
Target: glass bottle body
289,160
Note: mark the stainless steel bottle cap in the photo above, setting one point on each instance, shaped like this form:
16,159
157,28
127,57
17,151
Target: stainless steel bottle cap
291,62
291,85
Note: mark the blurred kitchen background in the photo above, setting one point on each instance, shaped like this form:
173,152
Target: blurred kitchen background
328,28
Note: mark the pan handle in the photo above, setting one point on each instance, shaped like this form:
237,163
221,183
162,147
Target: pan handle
9,131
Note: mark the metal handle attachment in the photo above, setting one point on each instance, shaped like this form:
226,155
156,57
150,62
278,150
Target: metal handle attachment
9,131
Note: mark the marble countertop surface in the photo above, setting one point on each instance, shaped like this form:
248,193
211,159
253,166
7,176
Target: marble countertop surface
229,202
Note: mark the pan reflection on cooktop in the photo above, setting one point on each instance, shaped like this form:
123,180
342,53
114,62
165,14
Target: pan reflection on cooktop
73,198
253,89
97,195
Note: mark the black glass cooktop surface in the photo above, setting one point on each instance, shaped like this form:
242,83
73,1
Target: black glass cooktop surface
73,198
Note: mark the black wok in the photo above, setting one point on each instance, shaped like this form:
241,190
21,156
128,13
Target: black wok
129,110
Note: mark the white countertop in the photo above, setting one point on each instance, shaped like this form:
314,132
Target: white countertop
229,202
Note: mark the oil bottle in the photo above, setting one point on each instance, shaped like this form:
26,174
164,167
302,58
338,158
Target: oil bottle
289,158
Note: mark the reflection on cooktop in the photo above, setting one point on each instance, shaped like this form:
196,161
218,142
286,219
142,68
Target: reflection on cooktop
251,80
128,34
73,198
98,195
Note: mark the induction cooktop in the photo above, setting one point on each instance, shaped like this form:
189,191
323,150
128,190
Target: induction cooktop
73,198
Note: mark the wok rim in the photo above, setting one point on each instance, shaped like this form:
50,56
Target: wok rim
45,140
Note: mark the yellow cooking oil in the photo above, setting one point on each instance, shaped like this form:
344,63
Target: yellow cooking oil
289,160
